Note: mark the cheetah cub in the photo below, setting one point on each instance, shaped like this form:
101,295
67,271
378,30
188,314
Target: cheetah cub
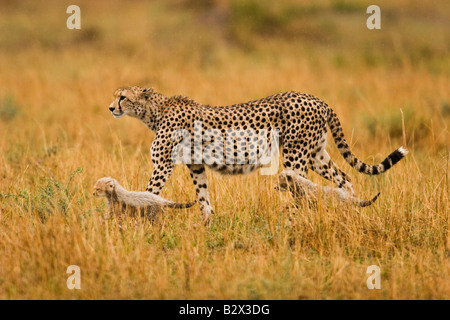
120,199
304,188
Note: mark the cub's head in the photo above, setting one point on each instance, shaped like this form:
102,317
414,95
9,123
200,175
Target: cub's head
289,180
285,180
104,187
132,101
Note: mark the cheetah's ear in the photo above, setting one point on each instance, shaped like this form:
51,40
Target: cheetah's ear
147,92
109,181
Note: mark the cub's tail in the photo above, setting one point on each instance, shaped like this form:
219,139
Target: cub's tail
365,203
175,205
344,149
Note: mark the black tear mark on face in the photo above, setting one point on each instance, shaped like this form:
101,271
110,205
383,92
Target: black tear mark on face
120,99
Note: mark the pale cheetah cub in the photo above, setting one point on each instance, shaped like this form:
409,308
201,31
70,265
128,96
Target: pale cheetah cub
304,188
120,199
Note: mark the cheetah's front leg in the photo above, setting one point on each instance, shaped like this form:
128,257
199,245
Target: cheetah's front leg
160,175
200,180
163,164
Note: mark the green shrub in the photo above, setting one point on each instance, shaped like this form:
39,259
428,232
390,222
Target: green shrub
8,108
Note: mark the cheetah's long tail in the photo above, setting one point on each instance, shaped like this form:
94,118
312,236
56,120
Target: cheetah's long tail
175,205
344,149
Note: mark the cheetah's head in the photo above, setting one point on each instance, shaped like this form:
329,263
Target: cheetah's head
104,187
131,101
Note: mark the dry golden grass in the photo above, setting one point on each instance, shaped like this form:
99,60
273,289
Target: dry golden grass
57,137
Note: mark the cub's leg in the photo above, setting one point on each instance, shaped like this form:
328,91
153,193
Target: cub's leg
200,180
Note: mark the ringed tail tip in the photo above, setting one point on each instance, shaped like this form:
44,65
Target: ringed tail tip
376,197
369,202
403,151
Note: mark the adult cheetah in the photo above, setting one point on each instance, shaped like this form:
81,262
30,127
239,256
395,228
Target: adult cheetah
299,119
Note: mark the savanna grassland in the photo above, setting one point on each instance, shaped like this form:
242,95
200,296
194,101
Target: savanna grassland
389,87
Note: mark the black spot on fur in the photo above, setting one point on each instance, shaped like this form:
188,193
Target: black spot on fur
363,167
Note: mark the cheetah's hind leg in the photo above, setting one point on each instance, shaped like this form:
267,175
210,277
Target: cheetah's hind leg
322,164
